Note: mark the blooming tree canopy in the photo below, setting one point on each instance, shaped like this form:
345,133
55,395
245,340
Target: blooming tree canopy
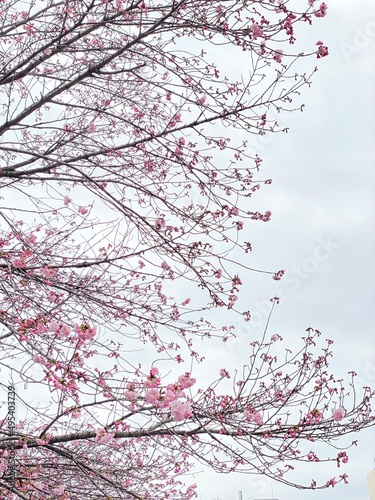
126,180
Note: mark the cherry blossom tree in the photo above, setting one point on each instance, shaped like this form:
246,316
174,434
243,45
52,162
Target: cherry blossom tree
126,181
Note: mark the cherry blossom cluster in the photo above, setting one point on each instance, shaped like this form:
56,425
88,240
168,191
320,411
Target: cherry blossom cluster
170,397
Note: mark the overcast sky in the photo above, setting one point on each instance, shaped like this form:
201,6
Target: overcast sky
322,232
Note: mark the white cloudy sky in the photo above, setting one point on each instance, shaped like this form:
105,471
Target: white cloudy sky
322,193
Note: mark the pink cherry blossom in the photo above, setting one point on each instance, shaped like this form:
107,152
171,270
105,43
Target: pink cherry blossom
64,331
59,490
153,380
19,262
253,416
186,380
53,326
218,273
85,332
256,30
83,210
224,373
338,414
278,275
170,395
153,396
322,10
159,223
332,482
30,29
322,50
130,393
48,273
103,436
180,410
267,216
277,56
